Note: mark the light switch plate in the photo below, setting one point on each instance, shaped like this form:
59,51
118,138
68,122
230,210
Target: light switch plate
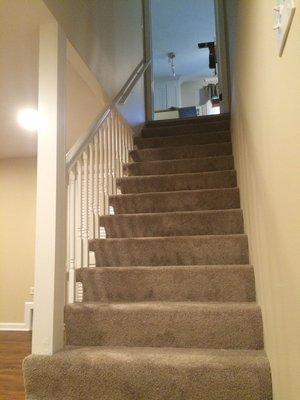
284,11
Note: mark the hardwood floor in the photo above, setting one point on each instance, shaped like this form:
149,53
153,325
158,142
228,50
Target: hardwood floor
14,347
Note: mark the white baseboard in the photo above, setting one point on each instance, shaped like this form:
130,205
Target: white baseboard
20,326
13,326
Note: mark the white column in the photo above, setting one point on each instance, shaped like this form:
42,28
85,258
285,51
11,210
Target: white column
50,262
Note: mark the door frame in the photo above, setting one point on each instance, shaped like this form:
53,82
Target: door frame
149,77
222,56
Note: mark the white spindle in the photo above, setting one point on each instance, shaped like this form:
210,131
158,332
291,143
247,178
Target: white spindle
106,166
91,181
85,219
96,185
78,217
71,237
91,192
102,182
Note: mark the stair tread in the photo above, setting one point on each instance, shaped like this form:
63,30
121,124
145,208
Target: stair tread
169,238
212,190
178,140
185,151
122,373
155,162
144,268
172,213
167,306
174,176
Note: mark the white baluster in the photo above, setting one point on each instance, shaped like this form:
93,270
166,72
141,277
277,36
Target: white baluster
119,144
110,156
85,219
78,216
91,192
71,237
96,186
102,172
106,166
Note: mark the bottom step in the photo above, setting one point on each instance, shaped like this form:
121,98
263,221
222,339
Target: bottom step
120,373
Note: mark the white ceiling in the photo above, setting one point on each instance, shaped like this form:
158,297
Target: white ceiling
19,28
178,26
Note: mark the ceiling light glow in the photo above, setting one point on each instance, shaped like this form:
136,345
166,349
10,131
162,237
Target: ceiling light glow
28,118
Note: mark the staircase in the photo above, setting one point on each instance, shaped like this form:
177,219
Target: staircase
169,312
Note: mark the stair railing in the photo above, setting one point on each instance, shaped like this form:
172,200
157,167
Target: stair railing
93,165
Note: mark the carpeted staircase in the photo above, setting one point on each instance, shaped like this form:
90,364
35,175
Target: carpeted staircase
169,312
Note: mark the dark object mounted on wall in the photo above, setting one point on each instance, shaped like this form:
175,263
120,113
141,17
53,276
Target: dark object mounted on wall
212,53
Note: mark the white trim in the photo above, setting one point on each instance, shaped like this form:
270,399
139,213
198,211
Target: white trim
20,326
13,326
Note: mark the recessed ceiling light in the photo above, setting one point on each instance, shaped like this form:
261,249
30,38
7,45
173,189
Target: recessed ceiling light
28,118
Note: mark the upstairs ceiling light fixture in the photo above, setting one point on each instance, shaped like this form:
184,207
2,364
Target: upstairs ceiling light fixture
171,57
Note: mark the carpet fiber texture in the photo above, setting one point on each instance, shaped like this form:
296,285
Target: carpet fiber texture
169,311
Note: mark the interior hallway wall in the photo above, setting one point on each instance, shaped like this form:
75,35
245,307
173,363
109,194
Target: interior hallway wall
17,236
266,142
108,35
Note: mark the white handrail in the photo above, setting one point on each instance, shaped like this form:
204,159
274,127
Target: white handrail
77,149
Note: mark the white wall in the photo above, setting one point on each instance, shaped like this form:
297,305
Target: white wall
166,94
190,92
108,35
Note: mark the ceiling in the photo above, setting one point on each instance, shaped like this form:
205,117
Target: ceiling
178,26
19,34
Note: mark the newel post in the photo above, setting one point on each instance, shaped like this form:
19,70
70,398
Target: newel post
50,274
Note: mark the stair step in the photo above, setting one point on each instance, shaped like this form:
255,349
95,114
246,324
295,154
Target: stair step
165,324
174,130
188,200
202,164
180,152
123,373
177,182
188,120
182,140
175,250
219,283
180,223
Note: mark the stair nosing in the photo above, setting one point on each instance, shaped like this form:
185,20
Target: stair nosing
171,213
168,267
179,159
178,147
234,188
145,238
172,175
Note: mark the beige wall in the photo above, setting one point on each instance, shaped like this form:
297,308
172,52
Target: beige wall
266,138
86,99
17,235
106,33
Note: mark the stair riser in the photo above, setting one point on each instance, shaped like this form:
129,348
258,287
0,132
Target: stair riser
186,129
170,183
212,283
202,138
220,199
191,250
179,166
214,223
178,152
215,327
